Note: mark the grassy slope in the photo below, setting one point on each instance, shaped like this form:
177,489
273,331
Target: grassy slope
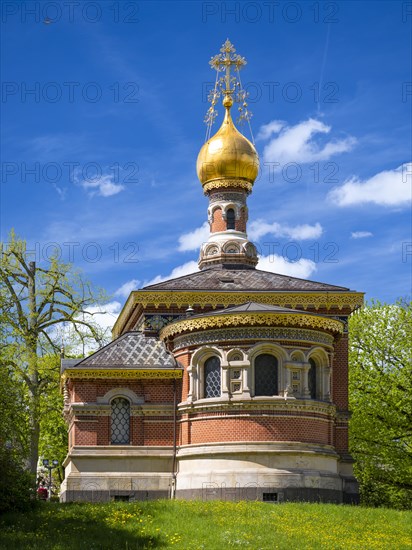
205,525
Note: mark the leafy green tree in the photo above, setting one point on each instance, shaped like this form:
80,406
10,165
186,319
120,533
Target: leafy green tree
15,483
36,301
53,428
381,402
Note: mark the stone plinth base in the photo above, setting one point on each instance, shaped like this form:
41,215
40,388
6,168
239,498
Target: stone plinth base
272,472
102,474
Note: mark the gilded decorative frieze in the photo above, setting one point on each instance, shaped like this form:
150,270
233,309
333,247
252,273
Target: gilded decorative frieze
80,410
253,333
267,319
305,300
121,373
223,182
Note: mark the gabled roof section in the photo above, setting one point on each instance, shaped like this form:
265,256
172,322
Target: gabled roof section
221,286
242,280
132,350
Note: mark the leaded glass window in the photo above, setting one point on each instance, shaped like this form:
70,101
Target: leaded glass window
212,377
230,219
120,421
266,375
312,379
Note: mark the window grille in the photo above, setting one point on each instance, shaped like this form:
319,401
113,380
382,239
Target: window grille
212,377
270,497
266,375
230,219
312,379
120,421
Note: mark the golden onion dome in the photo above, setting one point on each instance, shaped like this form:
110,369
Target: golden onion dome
228,155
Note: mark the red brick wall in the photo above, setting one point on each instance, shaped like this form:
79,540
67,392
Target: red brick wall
96,430
184,357
158,432
219,224
85,432
152,391
256,428
341,439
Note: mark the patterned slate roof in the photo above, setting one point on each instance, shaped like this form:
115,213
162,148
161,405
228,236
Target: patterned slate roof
218,278
131,350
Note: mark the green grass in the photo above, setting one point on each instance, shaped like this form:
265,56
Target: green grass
205,525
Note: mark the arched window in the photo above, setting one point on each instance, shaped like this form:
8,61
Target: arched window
266,375
211,375
312,379
120,417
230,219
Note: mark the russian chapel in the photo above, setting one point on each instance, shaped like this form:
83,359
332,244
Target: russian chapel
229,383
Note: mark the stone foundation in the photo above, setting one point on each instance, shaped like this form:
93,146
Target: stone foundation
271,472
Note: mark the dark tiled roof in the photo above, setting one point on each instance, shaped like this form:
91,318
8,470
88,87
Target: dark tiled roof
242,280
253,307
131,350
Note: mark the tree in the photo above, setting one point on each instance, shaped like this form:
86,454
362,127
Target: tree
35,301
53,427
380,398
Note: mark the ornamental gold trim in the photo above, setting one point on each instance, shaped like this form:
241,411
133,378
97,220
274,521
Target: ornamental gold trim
122,373
317,300
224,182
241,319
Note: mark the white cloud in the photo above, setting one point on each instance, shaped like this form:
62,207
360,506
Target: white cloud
259,228
104,316
303,268
361,234
103,186
296,143
387,188
179,271
194,239
127,288
267,130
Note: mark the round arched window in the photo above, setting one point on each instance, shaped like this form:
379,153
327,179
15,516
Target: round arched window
230,219
266,375
211,375
312,379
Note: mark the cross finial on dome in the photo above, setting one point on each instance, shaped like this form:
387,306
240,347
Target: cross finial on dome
228,85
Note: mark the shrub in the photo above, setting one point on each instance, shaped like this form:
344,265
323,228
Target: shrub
16,484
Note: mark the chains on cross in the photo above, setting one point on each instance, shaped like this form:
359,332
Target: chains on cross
228,84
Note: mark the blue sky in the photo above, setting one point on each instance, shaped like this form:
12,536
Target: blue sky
102,120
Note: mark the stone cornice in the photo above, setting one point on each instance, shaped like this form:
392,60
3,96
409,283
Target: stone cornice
274,404
252,319
284,447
